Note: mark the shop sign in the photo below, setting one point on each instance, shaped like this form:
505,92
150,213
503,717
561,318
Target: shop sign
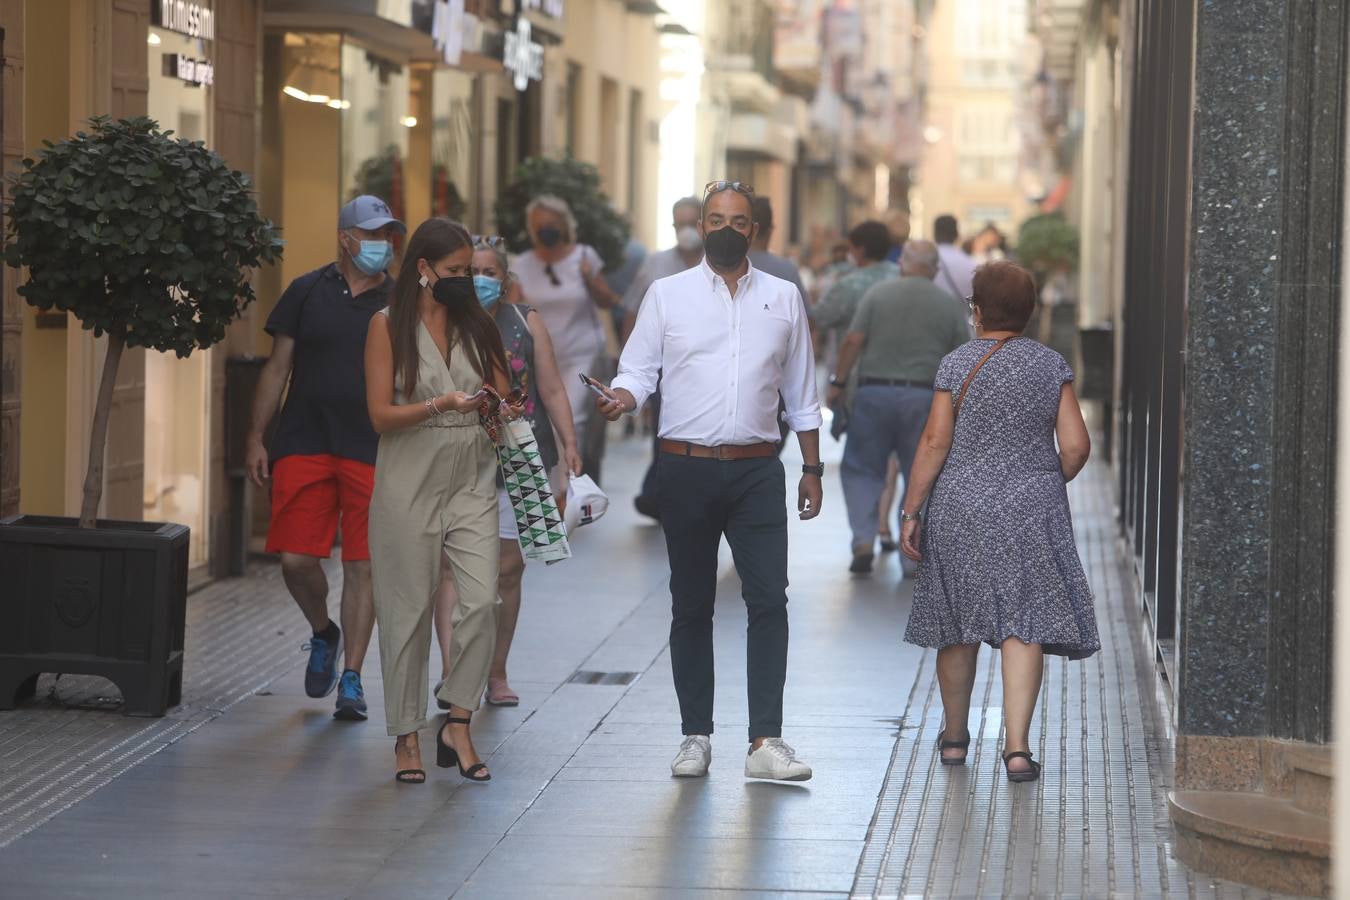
522,55
193,19
452,29
551,8
196,72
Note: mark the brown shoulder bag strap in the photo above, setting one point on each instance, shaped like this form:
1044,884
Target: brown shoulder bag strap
965,385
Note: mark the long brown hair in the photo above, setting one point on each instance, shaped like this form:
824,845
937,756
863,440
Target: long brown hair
436,239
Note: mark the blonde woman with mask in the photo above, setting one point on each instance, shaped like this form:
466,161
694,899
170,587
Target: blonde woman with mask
562,280
534,372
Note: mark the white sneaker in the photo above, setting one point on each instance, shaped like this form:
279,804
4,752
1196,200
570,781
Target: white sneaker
694,756
776,760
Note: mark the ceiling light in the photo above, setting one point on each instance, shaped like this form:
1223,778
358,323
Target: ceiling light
338,104
409,121
292,91
319,98
153,39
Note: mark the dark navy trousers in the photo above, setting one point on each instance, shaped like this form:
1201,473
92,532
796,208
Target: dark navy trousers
700,501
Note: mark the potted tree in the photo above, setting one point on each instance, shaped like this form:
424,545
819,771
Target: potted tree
149,240
579,184
1047,244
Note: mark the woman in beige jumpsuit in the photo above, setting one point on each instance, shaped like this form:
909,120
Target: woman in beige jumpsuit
434,488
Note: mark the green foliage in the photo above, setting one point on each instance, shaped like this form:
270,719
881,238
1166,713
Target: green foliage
1048,243
138,233
375,176
579,184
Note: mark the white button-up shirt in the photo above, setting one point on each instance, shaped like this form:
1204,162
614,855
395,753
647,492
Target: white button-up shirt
723,360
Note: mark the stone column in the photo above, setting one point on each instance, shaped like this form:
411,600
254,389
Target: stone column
1260,377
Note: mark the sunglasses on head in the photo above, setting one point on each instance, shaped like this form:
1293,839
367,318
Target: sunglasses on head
740,187
491,241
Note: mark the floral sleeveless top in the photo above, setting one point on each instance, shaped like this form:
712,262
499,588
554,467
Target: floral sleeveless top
519,343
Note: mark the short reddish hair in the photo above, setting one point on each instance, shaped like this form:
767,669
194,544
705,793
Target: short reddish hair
1005,294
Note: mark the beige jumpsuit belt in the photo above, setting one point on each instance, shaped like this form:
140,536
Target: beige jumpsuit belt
435,491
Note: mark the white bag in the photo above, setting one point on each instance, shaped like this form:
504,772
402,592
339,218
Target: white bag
585,502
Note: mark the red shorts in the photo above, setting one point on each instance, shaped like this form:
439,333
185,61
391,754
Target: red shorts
309,495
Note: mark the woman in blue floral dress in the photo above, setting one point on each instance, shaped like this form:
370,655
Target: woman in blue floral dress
998,564
534,371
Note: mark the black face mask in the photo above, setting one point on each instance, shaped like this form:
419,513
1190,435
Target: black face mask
726,247
455,292
550,237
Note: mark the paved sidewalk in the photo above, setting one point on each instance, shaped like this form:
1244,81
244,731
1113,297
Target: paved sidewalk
252,789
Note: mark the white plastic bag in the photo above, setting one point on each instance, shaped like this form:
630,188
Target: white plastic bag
585,502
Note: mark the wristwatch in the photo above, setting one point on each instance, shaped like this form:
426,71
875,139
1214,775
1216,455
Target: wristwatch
817,470
836,381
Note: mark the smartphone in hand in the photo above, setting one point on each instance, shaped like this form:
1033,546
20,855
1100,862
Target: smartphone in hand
596,387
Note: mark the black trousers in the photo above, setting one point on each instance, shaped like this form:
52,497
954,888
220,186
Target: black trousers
701,500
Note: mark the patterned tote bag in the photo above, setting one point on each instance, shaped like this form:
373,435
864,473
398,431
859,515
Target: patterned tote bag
543,536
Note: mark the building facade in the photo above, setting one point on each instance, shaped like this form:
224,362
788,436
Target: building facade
980,77
1218,223
431,104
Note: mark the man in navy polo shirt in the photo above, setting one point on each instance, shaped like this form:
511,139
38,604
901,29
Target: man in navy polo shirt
322,457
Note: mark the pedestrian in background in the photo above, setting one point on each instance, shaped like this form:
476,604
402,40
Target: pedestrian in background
561,279
687,253
322,459
762,258
897,222
997,557
869,243
956,268
726,339
429,356
901,332
534,372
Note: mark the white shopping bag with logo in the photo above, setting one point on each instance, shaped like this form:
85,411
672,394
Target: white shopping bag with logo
585,502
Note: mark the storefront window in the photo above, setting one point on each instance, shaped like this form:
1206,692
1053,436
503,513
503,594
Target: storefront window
177,395
453,146
376,121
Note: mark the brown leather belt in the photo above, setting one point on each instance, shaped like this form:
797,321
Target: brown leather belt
725,451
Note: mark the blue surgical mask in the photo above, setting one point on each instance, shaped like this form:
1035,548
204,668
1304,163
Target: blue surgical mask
489,289
374,257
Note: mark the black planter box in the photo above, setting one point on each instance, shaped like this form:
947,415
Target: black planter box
106,601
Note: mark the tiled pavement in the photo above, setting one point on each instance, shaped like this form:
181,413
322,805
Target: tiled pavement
251,789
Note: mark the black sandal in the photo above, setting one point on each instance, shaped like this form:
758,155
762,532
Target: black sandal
953,745
446,756
1030,774
410,776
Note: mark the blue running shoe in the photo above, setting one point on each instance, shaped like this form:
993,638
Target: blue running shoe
321,675
351,701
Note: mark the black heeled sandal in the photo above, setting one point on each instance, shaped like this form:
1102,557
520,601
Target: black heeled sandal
953,745
410,776
447,756
1030,774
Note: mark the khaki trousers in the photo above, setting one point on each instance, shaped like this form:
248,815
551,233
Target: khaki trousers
435,489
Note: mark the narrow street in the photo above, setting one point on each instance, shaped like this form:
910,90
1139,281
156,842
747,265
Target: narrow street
252,789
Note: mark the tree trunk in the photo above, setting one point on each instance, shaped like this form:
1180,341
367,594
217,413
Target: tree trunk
98,435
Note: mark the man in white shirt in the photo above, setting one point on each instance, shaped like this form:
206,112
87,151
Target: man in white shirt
956,267
687,253
727,339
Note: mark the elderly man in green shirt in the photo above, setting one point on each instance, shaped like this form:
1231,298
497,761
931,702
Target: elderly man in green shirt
900,333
